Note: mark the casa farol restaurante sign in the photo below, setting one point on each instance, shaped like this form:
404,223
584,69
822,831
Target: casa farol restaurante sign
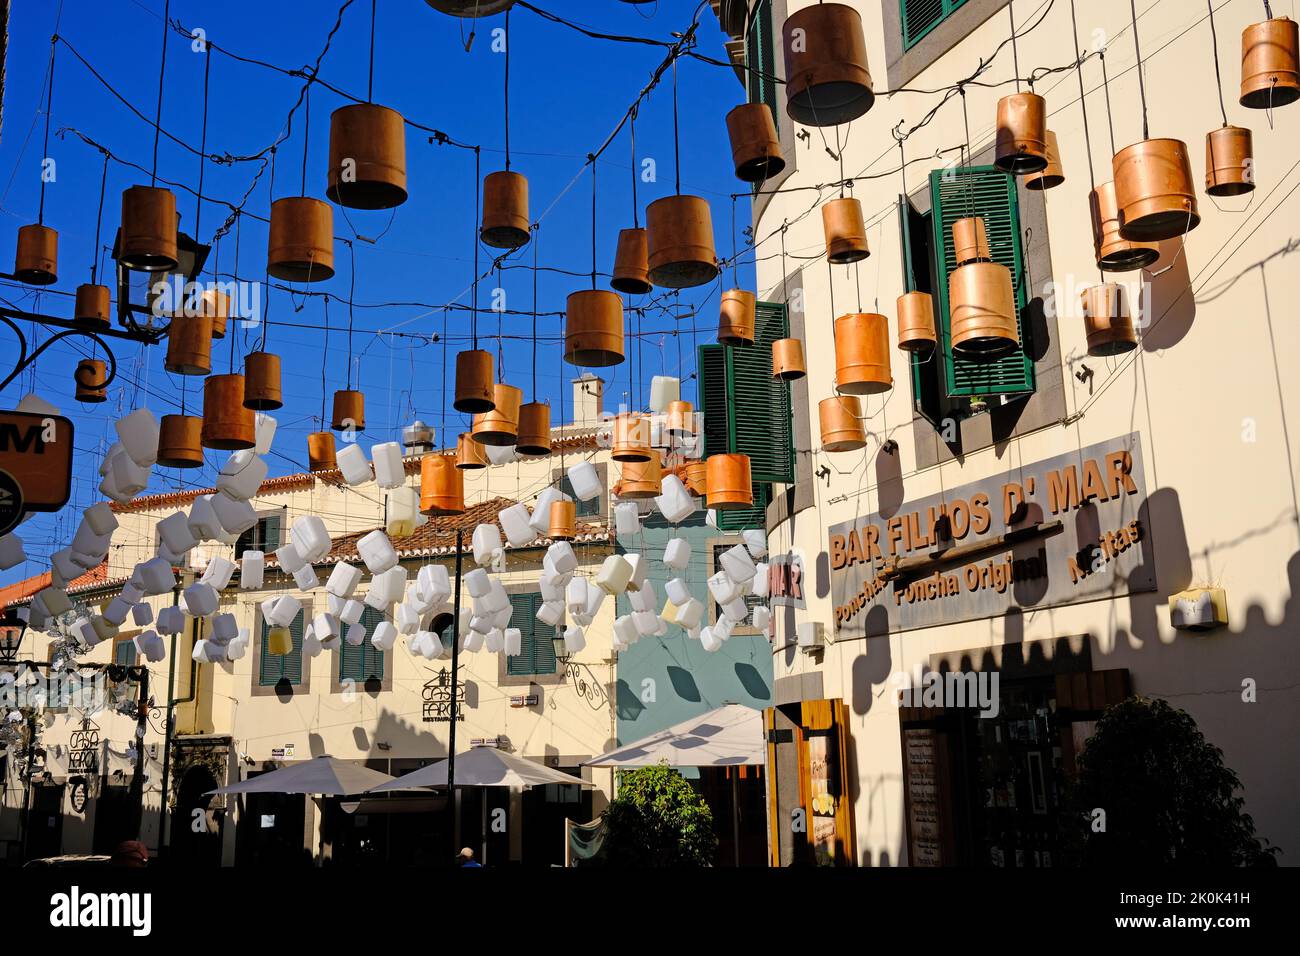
1067,529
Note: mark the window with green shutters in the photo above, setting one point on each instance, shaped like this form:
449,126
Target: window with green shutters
738,519
760,58
919,17
582,509
536,650
364,661
263,536
274,668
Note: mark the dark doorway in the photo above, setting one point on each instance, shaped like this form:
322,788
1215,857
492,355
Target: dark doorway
114,816
744,790
272,830
545,809
196,822
45,822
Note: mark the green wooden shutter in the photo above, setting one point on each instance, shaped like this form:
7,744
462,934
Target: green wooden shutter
536,650
273,669
988,192
364,661
124,653
738,519
760,55
582,509
714,397
270,529
919,17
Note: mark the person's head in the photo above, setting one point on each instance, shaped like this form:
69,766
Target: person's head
465,856
130,853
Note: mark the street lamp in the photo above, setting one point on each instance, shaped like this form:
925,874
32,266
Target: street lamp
191,256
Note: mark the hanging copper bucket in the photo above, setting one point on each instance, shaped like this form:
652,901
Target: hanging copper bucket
1153,187
631,438
534,429
1054,173
471,8
92,307
180,441
755,148
349,411
631,263
227,424
970,241
593,328
320,452
90,377
262,381
469,453
564,521
505,210
827,79
1114,253
1229,161
862,354
728,482
680,238
696,477
736,317
641,479
1270,64
147,241
841,423
1022,134
301,244
442,486
916,322
1107,321
367,157
189,345
846,235
681,418
787,360
501,425
473,382
36,260
982,305
216,306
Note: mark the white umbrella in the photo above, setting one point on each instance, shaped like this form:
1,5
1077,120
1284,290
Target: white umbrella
729,736
324,775
483,767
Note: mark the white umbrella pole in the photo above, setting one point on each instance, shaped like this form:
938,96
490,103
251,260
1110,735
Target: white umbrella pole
451,736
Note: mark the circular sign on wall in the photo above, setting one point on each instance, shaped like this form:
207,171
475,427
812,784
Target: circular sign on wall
11,502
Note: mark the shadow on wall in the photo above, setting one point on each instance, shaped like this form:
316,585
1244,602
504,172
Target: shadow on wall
1168,304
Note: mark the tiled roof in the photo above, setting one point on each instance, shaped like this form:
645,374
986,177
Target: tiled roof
21,591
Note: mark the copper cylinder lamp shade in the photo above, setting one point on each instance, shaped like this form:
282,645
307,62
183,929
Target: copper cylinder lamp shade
1021,143
680,242
1154,191
840,418
788,361
321,452
534,429
442,485
349,411
631,438
640,480
90,377
982,306
505,211
471,8
1270,64
846,234
36,259
215,305
301,243
593,328
367,157
970,241
262,391
563,524
862,354
755,148
470,454
147,241
1053,174
1113,252
1229,161
632,263
728,482
1107,321
228,425
916,332
180,441
737,317
92,307
499,427
681,419
474,380
827,78
696,477
189,345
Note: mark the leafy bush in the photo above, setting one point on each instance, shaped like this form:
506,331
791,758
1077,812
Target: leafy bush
657,819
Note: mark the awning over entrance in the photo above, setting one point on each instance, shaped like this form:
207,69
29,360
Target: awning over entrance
729,736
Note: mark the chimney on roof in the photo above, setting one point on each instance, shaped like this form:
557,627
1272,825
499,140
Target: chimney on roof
588,395
417,438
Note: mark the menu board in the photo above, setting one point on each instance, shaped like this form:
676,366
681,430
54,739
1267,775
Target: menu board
921,769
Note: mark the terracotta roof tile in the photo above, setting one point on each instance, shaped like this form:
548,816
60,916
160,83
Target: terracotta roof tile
21,591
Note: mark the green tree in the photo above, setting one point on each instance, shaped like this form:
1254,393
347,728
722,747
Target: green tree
1167,798
657,819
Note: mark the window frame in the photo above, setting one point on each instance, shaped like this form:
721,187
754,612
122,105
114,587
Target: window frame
507,679
303,685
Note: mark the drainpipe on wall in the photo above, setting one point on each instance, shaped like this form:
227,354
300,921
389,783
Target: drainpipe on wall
172,701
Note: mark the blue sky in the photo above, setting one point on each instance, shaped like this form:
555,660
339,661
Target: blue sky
568,92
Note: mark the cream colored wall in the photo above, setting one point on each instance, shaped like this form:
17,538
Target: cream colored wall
1195,390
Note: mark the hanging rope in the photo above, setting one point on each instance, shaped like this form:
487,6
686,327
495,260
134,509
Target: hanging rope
203,139
1142,86
162,73
45,150
266,310
535,232
1083,103
370,79
591,158
677,144
99,221
1015,50
306,135
636,205
1110,118
1218,76
478,187
506,110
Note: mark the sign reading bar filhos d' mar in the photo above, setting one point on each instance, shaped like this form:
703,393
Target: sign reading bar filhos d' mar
1071,528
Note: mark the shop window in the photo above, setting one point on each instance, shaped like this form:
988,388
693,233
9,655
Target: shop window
263,536
919,17
274,668
760,58
362,662
536,647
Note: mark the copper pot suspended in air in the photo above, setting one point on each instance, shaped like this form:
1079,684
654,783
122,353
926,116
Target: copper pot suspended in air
1022,134
367,157
846,235
1113,252
970,241
349,411
92,309
470,8
680,238
787,360
301,243
90,376
442,486
593,328
320,452
631,263
216,306
189,345
1054,173
1106,320
563,525
180,441
500,426
695,475
736,317
729,485
631,438
755,148
827,78
982,306
916,323
36,259
227,424
534,429
147,241
641,479
1270,64
862,354
1153,187
1229,161
681,419
469,453
840,417
262,381
505,210
474,377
